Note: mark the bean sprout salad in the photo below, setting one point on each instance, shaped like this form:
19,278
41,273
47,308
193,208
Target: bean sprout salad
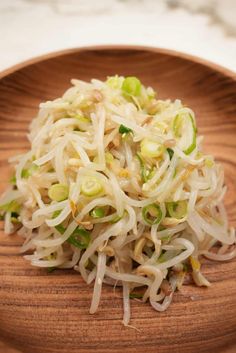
116,186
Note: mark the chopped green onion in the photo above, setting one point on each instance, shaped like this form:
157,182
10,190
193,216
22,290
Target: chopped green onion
143,168
170,152
175,172
97,212
145,173
80,238
56,214
152,214
151,148
12,206
91,186
26,173
185,130
177,209
177,125
60,228
124,130
136,296
131,86
114,82
58,192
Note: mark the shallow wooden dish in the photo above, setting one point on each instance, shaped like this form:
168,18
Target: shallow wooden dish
41,312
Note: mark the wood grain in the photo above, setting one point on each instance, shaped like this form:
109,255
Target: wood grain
48,313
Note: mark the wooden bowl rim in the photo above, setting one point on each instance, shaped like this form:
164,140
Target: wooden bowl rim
122,47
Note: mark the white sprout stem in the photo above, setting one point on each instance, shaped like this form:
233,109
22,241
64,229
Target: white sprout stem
101,267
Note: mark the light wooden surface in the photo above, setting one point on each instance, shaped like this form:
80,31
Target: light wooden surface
48,313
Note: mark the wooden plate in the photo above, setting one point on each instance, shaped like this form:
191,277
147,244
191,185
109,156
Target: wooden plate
41,312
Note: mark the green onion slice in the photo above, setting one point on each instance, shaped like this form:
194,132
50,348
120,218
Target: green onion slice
80,238
152,214
143,168
131,86
177,209
26,173
58,192
60,228
97,212
185,131
91,186
151,148
146,174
